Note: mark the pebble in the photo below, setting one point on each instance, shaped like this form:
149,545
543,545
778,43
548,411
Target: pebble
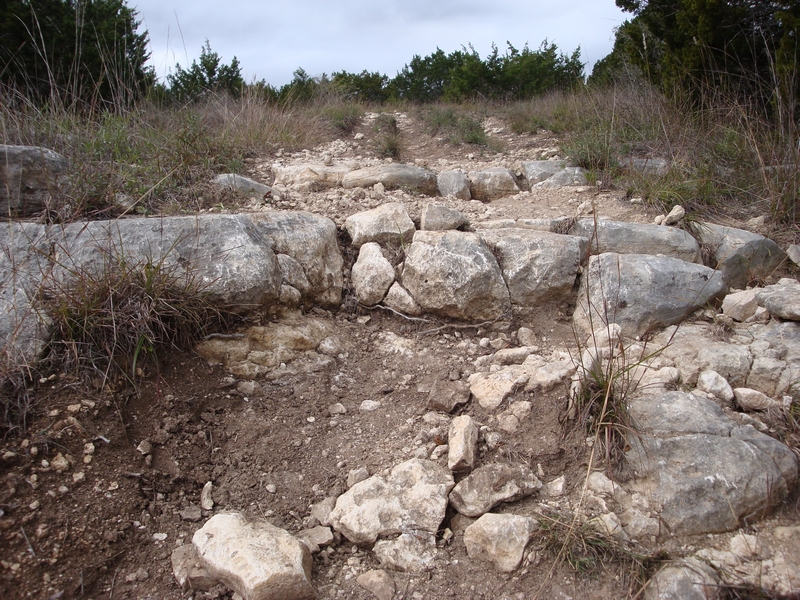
271,488
369,405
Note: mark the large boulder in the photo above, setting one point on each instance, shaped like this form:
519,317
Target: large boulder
386,224
706,472
741,256
436,217
539,170
313,175
455,274
566,177
782,299
490,184
453,183
637,238
30,178
642,292
394,176
537,266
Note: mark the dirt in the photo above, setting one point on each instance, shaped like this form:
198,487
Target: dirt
104,524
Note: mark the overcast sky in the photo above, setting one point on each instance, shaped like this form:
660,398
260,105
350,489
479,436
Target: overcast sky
271,39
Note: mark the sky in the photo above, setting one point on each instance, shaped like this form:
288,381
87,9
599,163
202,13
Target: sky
272,39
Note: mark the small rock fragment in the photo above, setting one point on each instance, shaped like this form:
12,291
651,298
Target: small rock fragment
379,583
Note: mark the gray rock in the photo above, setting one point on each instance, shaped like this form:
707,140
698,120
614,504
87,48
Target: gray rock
545,375
740,255
537,266
311,175
357,475
453,183
500,539
566,177
394,176
782,300
491,389
463,444
242,184
315,537
189,571
409,496
293,274
675,215
30,179
397,298
321,510
740,306
706,473
539,170
372,274
637,238
447,395
646,166
511,356
688,579
191,513
490,485
379,583
750,399
387,224
493,183
255,559
436,217
715,384
765,374
642,292
793,252
409,552
454,274
729,360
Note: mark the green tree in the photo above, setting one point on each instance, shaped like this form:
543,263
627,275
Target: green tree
207,75
87,52
363,87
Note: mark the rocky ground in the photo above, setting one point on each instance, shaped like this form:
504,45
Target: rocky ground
109,482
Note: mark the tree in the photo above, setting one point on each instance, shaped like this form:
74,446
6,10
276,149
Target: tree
208,75
364,87
87,52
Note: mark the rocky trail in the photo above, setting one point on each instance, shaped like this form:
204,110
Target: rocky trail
401,413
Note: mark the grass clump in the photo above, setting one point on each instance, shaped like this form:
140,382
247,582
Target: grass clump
344,117
455,127
388,136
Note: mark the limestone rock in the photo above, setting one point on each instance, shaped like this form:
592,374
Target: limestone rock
189,572
740,255
750,399
500,539
647,166
637,238
379,583
436,217
413,552
30,178
398,298
447,395
372,274
493,183
731,361
454,274
539,170
490,390
316,537
490,485
765,374
463,444
782,299
642,292
453,183
387,224
243,184
394,176
675,215
740,306
311,175
537,266
409,496
688,579
544,376
793,252
255,559
715,384
568,176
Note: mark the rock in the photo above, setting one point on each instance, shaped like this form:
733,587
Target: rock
255,559
388,224
500,539
293,273
706,473
687,579
60,463
539,170
537,266
637,238
315,537
30,179
554,488
189,571
311,175
740,255
436,217
641,292
754,400
409,496
782,300
397,298
740,306
379,583
394,176
511,356
600,484
206,498
569,176
647,166
715,384
372,274
321,511
493,183
463,444
526,337
610,525
453,183
490,390
242,184
731,361
544,376
357,476
412,552
191,513
447,395
765,374
675,215
490,485
454,274
793,252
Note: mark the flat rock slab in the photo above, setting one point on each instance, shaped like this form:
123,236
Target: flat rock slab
706,472
490,485
782,299
500,539
409,496
242,184
688,579
491,184
313,175
637,238
30,177
568,176
642,292
387,224
436,217
255,559
454,274
539,170
394,176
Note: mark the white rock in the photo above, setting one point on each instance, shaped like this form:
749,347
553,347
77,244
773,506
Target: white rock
189,572
715,384
206,498
492,484
740,306
675,215
490,390
754,400
499,539
555,488
379,583
372,274
463,444
412,552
